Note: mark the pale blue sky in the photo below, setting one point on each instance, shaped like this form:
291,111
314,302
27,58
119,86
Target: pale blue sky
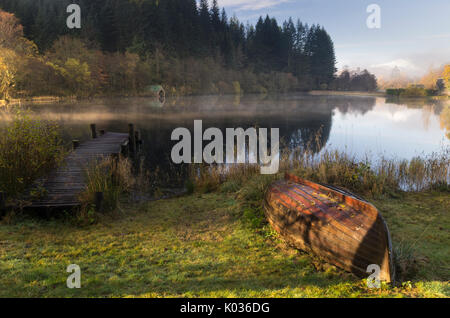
414,34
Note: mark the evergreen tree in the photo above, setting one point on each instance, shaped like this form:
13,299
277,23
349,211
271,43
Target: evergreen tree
205,27
107,27
322,60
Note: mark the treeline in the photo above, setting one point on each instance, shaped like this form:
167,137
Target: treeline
127,45
412,91
355,81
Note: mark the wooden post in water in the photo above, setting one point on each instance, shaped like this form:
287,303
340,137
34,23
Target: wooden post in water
93,131
132,139
2,202
114,163
124,150
75,144
98,201
102,132
138,140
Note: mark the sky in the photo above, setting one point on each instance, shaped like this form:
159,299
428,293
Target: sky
414,35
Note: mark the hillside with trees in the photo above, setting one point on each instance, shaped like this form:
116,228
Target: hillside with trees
124,46
362,81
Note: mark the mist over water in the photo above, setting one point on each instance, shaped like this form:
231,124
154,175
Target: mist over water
358,125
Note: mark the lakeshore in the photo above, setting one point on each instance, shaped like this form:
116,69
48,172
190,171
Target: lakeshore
61,99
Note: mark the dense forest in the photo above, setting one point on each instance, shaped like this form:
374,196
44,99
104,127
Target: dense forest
125,45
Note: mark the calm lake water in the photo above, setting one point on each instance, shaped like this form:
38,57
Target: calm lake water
359,125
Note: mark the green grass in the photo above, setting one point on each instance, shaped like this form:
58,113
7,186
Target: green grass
208,245
421,221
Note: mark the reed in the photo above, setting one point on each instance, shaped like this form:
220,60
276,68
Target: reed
208,178
29,148
377,175
110,177
370,176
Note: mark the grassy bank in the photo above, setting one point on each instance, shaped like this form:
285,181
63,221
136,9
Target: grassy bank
388,94
211,245
346,93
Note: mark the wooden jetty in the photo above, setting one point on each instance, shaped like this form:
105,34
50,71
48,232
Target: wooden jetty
64,185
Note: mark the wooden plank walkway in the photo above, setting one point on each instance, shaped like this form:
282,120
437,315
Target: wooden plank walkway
64,185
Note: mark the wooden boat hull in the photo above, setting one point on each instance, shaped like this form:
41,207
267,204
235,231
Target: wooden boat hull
331,223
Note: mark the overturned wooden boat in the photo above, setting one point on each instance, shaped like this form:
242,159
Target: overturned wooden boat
332,223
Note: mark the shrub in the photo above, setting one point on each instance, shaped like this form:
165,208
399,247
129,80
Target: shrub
392,92
237,88
224,88
412,91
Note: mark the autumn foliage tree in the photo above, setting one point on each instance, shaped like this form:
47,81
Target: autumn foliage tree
446,76
10,30
438,78
6,79
11,33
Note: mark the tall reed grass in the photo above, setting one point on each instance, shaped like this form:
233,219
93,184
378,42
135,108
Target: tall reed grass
114,178
109,176
376,175
208,178
29,148
368,176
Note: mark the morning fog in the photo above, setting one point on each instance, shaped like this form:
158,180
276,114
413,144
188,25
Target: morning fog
235,147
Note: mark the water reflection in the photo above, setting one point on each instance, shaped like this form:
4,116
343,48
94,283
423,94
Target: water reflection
445,120
357,124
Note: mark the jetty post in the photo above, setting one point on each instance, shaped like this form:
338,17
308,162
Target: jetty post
2,202
138,140
75,144
99,201
124,149
94,131
132,135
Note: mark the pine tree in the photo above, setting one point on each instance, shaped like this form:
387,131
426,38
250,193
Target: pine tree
108,28
319,49
205,27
